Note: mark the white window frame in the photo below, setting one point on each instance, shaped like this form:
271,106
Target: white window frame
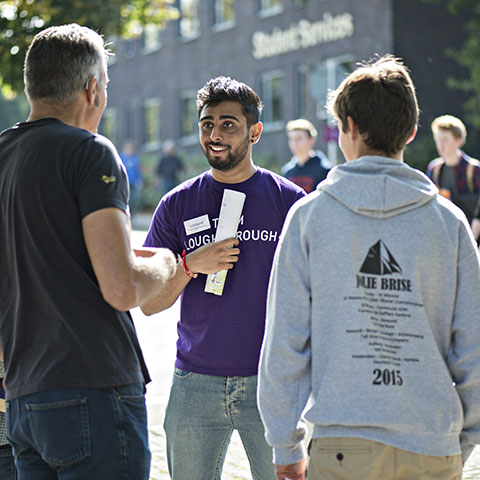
151,39
225,24
269,10
196,27
267,98
300,72
332,83
154,142
192,138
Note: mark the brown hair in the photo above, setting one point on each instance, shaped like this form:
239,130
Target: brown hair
380,98
451,124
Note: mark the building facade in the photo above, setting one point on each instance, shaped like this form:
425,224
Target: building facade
290,51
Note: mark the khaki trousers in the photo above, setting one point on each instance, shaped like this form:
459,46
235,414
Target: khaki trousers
360,459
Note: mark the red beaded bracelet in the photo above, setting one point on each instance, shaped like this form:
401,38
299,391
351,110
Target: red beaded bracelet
187,271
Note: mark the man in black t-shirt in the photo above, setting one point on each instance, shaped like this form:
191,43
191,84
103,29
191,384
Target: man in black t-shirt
308,167
75,374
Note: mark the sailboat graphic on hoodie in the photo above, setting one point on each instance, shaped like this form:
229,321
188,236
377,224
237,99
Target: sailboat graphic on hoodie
380,261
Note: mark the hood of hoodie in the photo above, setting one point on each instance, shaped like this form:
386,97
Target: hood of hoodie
378,187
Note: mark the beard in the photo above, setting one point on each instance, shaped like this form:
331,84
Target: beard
234,157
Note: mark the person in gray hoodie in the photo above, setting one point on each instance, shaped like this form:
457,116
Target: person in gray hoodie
373,331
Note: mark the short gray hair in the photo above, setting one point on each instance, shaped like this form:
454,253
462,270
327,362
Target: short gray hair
61,60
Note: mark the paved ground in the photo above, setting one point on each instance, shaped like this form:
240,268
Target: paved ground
157,336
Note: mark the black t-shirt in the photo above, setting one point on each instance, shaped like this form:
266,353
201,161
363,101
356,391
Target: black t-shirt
448,178
56,330
308,175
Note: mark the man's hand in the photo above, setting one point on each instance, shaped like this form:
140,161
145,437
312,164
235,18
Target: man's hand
213,257
296,471
163,257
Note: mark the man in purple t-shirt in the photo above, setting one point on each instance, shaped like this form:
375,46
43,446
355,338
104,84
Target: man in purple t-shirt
215,380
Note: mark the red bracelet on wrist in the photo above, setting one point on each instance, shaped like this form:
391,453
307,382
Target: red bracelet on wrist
184,263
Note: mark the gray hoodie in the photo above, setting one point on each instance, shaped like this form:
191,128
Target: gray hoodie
373,317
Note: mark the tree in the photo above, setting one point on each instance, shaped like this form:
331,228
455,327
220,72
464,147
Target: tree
467,56
20,20
13,111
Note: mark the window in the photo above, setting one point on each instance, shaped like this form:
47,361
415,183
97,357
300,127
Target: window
303,3
302,92
327,76
272,96
189,114
150,39
130,123
189,23
223,13
270,7
152,123
108,125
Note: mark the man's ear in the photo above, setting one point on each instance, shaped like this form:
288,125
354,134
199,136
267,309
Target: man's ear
352,128
91,90
412,136
255,132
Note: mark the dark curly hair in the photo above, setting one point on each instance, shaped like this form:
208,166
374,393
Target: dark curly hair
225,89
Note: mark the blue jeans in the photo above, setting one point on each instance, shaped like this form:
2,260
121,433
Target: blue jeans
202,412
7,465
78,434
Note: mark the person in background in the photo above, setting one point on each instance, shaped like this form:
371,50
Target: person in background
456,174
308,167
215,378
170,167
131,160
75,374
375,340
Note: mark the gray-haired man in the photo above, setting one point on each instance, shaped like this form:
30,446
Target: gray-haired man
75,375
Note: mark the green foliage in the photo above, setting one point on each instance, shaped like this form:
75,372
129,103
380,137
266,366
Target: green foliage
419,153
456,6
20,20
150,194
467,56
268,160
12,110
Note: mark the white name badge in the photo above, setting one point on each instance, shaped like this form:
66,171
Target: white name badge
198,224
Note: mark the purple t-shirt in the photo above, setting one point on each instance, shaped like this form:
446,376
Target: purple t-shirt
222,335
